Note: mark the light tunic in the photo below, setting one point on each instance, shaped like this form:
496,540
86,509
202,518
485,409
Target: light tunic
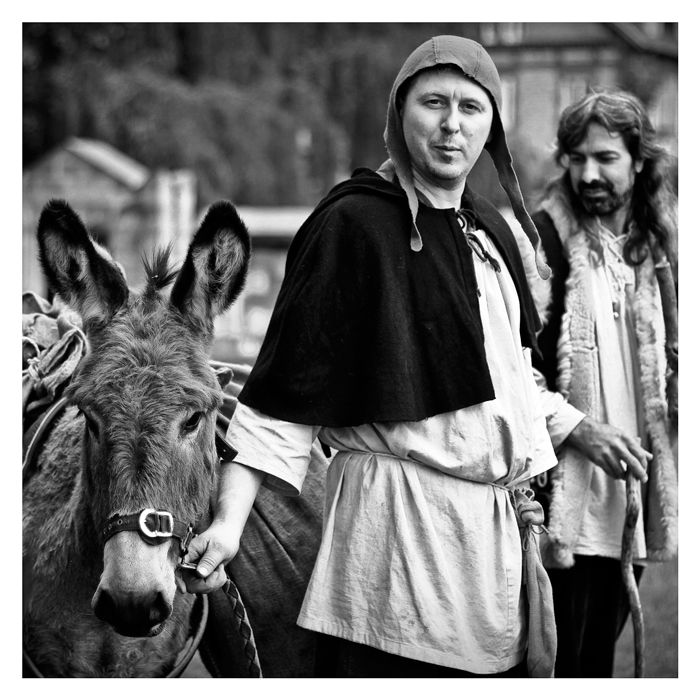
612,287
420,553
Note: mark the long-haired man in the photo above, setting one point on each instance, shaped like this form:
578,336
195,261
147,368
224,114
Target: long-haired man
608,373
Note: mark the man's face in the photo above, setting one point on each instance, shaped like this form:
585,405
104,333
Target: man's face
446,122
602,171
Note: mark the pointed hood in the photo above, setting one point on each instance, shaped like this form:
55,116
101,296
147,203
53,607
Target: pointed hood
471,58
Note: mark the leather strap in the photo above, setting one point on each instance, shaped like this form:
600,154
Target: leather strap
29,465
224,449
154,527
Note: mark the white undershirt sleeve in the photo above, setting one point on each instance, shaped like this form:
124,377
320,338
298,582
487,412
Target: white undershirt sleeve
276,447
561,416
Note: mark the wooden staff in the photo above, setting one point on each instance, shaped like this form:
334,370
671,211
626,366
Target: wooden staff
669,305
634,499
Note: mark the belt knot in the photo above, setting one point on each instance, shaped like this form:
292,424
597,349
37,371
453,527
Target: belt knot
529,513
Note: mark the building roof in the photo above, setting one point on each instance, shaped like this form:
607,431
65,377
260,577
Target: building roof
111,161
652,38
638,39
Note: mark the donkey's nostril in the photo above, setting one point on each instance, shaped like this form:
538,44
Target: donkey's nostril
132,616
159,610
104,607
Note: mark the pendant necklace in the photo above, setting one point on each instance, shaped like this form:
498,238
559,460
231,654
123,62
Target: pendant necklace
620,274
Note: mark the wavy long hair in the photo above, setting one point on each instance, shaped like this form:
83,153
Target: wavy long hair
654,205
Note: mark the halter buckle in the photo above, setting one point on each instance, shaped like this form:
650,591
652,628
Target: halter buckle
163,519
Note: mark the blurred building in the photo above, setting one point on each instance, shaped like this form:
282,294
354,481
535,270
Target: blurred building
132,210
127,207
240,331
544,66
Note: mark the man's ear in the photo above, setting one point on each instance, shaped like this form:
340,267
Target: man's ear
638,165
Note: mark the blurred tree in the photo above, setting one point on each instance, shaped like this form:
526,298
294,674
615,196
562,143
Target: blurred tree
264,113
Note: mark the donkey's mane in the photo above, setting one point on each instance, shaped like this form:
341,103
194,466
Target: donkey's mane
159,270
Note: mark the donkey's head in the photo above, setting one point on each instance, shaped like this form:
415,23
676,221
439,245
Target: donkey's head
149,399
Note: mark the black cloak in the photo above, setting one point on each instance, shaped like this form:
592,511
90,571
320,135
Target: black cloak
366,330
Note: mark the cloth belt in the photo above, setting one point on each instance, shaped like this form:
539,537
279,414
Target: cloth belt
542,631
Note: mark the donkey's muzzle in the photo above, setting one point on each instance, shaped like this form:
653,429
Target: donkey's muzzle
132,615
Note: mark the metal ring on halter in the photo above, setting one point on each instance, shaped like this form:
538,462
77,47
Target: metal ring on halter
143,524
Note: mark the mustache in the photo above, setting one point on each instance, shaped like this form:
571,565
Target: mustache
595,185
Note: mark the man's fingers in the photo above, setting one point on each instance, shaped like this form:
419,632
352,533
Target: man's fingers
636,468
207,554
638,451
620,460
636,459
216,579
196,584
632,464
647,454
612,449
196,548
208,562
614,466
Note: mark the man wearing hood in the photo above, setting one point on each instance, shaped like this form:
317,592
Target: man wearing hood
401,338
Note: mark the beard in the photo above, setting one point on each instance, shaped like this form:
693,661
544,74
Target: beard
599,198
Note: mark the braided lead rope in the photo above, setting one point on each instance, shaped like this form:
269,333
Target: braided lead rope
633,489
244,629
190,648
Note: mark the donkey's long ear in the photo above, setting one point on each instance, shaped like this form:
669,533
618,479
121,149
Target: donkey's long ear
77,268
215,268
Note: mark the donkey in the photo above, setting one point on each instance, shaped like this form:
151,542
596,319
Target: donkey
127,472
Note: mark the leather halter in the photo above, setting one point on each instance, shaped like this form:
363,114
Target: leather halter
160,532
154,527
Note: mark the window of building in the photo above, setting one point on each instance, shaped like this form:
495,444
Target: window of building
570,89
512,32
671,30
655,30
507,33
663,111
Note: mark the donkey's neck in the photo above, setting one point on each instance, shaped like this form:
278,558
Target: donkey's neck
71,543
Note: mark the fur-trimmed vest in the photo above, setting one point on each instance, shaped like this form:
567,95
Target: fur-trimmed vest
575,352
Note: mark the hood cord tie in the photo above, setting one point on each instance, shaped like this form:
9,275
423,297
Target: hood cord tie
474,243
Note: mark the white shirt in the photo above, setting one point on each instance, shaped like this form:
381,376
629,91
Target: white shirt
420,553
612,287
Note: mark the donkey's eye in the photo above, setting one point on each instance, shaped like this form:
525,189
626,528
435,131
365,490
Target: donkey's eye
192,422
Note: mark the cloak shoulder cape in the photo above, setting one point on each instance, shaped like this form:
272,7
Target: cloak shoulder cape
546,361
366,330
